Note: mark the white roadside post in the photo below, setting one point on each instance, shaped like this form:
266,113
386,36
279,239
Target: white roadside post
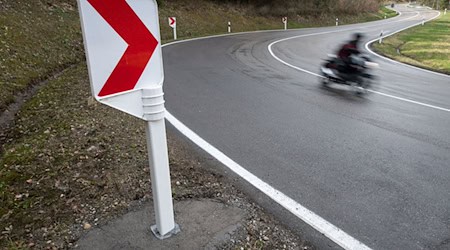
136,88
445,11
229,27
337,21
381,37
284,20
173,24
153,104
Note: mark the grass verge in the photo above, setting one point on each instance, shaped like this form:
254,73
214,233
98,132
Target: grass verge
37,39
424,46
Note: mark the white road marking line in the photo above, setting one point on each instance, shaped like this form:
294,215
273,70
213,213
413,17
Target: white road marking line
335,31
376,92
263,31
316,34
411,101
329,230
332,232
397,62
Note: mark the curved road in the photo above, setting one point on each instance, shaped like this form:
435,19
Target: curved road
376,167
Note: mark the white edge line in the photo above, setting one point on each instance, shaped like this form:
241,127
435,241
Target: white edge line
329,230
321,33
372,91
268,31
318,223
332,232
229,34
397,62
410,101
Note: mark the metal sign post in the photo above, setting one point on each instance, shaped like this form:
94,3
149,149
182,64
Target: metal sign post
134,88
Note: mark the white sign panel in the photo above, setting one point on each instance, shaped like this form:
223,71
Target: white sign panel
173,22
123,50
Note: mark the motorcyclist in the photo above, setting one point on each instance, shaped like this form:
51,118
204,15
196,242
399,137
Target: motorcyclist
346,52
349,67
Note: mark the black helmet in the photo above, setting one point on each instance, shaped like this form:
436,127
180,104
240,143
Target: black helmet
358,36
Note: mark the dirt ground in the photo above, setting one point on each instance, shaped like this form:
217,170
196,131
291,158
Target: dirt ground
70,164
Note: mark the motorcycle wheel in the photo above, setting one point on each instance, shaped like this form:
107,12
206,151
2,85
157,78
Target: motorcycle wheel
369,85
358,88
325,81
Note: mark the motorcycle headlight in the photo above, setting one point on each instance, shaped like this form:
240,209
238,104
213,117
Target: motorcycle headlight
371,65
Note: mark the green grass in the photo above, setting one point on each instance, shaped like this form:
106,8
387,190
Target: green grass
426,46
201,18
385,12
37,39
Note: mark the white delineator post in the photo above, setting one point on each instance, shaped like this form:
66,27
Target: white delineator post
337,21
175,33
381,37
229,27
284,19
445,11
153,105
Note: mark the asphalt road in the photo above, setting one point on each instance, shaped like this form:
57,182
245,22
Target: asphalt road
377,167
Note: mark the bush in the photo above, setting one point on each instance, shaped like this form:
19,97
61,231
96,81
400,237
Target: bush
439,4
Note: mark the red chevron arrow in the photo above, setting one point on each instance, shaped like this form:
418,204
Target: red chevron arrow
141,44
172,21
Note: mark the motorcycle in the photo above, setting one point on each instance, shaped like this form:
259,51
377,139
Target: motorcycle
359,78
